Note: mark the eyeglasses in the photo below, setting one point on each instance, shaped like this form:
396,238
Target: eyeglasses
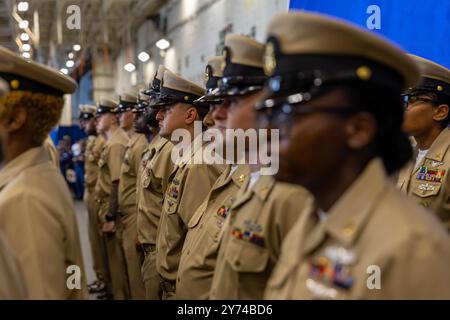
411,99
282,116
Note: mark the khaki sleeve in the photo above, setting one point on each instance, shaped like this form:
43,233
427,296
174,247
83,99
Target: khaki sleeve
197,184
11,278
444,213
291,203
115,158
39,248
417,269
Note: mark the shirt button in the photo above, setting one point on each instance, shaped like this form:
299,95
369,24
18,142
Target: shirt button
237,263
188,252
178,279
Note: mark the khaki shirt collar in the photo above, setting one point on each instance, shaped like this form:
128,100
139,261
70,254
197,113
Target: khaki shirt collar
114,134
31,157
160,144
244,194
347,217
134,139
263,186
439,147
240,174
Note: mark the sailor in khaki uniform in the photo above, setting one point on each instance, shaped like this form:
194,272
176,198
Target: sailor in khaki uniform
156,166
200,248
11,275
142,126
426,179
144,123
127,193
94,147
364,239
263,211
37,215
106,191
189,183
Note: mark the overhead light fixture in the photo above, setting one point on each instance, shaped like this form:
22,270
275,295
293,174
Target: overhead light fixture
76,47
23,24
26,47
24,36
163,44
64,71
26,55
129,67
22,6
70,63
143,56
70,55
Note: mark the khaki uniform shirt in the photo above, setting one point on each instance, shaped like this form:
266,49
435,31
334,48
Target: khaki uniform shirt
258,222
109,165
199,254
374,243
429,183
11,277
92,154
156,167
52,152
128,177
189,185
37,217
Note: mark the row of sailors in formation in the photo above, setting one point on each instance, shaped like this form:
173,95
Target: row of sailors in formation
316,229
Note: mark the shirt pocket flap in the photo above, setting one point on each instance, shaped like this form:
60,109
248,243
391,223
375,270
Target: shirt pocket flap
246,257
426,190
197,216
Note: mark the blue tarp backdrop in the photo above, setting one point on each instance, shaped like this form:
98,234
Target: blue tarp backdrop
420,27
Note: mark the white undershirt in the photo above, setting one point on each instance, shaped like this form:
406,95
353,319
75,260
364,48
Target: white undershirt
233,169
420,155
322,215
254,176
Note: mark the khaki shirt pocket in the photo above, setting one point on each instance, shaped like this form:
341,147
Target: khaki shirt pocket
425,190
197,216
246,257
214,227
